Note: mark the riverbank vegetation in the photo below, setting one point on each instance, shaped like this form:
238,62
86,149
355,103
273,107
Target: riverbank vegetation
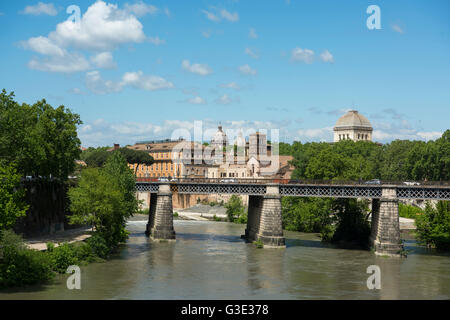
346,220
433,226
40,142
236,210
409,211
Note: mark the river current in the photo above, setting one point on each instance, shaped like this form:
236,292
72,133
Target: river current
210,261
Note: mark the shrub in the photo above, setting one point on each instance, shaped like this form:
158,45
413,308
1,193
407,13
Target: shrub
99,246
235,208
24,267
306,214
408,211
352,225
50,246
175,214
433,227
62,257
83,252
21,266
259,244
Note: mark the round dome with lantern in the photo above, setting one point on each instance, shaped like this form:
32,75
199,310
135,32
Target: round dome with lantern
353,126
219,139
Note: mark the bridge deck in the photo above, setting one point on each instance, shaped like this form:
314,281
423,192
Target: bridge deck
332,189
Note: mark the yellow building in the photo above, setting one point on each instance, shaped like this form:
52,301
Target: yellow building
166,157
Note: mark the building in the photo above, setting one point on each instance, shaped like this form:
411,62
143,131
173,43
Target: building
353,126
219,140
166,154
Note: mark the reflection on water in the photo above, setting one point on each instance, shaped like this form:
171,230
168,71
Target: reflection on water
210,261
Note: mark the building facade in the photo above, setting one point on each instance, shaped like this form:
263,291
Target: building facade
353,126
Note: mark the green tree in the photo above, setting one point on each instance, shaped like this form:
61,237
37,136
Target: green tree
235,210
306,214
12,204
40,139
105,199
433,227
352,225
98,157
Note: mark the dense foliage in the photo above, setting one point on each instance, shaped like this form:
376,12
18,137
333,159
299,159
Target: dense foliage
104,198
22,266
41,140
306,214
344,220
399,160
12,205
236,210
433,226
409,211
97,157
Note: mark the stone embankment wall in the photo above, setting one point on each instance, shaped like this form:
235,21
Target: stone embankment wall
183,201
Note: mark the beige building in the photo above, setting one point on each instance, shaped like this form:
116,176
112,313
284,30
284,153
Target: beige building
353,126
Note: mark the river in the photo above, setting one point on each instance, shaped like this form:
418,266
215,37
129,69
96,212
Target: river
210,261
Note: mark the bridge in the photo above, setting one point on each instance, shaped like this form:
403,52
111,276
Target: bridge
264,206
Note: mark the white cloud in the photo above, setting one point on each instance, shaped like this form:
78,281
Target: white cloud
104,60
41,8
225,100
156,40
76,91
247,70
68,63
211,16
43,46
252,34
206,34
218,15
167,12
103,27
140,8
397,28
433,135
200,69
303,55
326,56
233,17
315,134
103,133
231,85
196,100
252,54
141,81
98,85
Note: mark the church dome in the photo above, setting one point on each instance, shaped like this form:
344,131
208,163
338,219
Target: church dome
353,119
219,137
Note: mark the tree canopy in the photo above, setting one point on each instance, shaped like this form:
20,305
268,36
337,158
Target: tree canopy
98,157
41,140
349,160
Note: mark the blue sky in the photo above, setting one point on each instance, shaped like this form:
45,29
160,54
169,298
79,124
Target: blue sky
138,70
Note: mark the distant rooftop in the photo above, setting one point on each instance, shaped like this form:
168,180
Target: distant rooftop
158,141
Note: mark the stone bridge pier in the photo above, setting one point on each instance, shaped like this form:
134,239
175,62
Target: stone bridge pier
160,218
264,219
385,233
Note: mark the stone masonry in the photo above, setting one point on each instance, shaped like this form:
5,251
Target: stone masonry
270,230
254,216
160,222
385,233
